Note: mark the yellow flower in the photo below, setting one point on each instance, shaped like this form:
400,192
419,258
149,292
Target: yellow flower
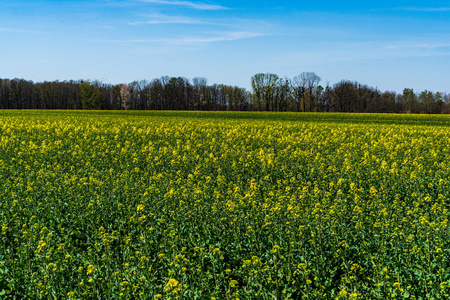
353,296
140,207
171,284
90,269
234,283
247,263
41,245
275,249
343,292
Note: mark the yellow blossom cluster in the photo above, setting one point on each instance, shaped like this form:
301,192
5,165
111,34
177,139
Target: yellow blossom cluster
223,205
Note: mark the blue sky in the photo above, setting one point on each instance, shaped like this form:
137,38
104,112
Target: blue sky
386,44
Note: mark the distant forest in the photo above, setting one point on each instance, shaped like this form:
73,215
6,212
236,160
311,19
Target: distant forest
303,93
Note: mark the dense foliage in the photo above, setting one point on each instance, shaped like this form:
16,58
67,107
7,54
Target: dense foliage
269,93
193,205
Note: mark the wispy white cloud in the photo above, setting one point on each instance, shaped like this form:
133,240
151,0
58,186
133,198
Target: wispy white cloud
424,9
343,52
224,37
418,46
195,5
17,30
165,19
195,40
120,3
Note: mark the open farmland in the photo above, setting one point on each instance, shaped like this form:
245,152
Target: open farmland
191,205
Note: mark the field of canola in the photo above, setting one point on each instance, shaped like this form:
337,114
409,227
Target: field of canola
193,205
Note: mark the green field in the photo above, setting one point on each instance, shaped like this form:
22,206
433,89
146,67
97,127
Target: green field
223,205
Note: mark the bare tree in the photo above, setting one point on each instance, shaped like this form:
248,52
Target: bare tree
304,86
199,92
125,96
265,89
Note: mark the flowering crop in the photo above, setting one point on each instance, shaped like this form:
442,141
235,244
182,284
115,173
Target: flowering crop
191,205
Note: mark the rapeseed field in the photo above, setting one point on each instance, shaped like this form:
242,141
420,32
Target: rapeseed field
193,205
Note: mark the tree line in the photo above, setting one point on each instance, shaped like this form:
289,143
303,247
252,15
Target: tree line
269,92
